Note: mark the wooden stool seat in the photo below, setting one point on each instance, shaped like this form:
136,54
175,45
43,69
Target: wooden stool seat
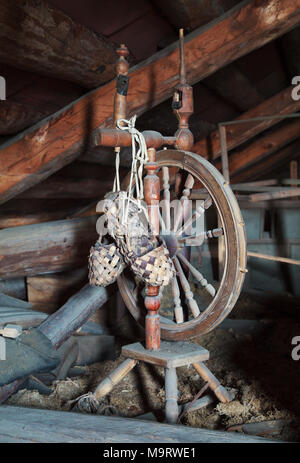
170,354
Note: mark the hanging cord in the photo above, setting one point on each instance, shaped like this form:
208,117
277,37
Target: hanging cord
139,159
116,186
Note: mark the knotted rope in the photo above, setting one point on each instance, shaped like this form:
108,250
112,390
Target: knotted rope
139,159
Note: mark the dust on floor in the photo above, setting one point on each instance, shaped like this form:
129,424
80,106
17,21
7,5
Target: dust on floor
258,366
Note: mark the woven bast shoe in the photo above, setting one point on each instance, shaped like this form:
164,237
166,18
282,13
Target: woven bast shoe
144,252
105,264
155,267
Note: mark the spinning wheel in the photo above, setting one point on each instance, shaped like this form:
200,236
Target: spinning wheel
193,313
192,303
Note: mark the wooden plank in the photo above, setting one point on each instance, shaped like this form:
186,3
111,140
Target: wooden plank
33,101
234,87
48,292
46,247
64,188
269,164
289,45
189,14
236,134
56,141
294,175
262,147
287,193
21,211
34,425
37,37
77,180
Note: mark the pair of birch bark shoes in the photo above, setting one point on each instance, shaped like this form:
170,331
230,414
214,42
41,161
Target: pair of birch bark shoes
129,241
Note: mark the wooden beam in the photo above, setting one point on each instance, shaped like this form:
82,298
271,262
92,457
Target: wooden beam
69,188
263,146
56,141
59,326
229,83
233,85
46,247
189,14
236,134
49,292
268,165
22,424
37,37
34,101
21,211
289,45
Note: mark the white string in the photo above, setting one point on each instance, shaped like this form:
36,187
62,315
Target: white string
139,158
116,186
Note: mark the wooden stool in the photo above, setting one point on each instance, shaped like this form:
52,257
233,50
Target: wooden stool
170,355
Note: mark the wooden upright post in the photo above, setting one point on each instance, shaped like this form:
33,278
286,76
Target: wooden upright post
152,299
183,103
122,84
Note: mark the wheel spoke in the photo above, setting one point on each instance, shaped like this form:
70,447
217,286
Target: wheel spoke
186,288
166,202
183,207
178,180
198,276
177,302
197,240
162,223
198,212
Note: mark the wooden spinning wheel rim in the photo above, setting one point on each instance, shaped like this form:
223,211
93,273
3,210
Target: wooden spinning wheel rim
235,245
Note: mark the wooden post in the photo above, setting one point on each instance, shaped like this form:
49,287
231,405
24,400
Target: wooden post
152,299
224,152
294,174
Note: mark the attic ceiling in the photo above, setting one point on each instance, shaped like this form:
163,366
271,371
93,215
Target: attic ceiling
37,89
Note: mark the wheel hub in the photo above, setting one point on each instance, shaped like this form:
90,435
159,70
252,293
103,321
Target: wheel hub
172,243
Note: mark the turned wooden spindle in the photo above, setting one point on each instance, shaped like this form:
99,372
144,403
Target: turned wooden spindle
152,299
198,212
198,276
166,186
184,206
183,104
186,288
172,409
107,385
197,240
122,67
178,310
214,384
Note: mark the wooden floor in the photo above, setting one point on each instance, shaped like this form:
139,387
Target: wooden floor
33,425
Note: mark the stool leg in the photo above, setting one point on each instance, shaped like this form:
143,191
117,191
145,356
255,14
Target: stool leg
220,391
172,410
114,378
